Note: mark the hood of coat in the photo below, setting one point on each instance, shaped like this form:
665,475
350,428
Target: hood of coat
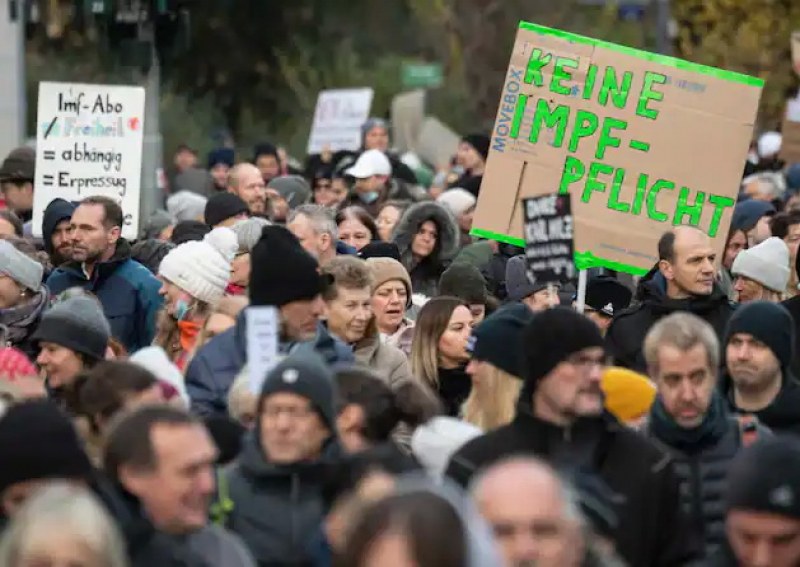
652,291
409,224
256,464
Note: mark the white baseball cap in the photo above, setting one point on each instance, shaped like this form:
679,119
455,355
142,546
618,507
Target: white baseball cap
371,162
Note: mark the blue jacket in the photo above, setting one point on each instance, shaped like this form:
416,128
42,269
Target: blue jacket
215,366
126,289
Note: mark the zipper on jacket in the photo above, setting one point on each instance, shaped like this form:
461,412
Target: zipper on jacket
696,497
294,496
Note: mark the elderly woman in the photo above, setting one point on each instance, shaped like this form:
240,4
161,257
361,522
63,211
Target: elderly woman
391,296
427,236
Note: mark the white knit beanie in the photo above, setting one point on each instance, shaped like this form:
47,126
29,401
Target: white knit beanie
766,263
202,268
458,200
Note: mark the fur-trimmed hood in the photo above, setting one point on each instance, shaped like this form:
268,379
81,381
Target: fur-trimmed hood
408,225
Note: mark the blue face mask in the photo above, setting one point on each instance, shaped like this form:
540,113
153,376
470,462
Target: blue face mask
370,197
182,308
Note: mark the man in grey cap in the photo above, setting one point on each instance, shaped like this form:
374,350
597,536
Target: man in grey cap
538,296
16,181
286,193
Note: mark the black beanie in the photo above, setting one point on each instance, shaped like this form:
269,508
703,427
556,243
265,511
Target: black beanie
223,206
552,336
765,477
480,142
188,230
380,249
464,281
769,323
38,441
282,271
498,338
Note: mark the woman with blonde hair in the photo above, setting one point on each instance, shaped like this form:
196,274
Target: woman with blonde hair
63,524
495,368
439,350
194,275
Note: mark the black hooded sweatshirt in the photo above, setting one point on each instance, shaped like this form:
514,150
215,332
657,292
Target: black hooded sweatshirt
626,335
783,414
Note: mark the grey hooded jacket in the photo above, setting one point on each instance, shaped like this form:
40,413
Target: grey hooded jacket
277,509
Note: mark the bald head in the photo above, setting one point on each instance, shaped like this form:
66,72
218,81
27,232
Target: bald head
534,514
245,180
687,261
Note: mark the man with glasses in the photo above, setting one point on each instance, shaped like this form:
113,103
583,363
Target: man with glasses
275,485
560,419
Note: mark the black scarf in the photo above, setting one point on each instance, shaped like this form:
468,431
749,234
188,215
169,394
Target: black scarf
694,440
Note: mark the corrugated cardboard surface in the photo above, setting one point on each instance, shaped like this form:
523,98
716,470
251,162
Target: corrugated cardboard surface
699,140
790,146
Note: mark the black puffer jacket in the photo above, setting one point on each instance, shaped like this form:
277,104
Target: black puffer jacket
627,332
425,273
702,479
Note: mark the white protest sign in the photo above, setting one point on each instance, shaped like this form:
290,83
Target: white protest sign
262,344
338,118
89,142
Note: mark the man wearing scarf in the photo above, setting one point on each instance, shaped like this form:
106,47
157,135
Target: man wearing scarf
690,417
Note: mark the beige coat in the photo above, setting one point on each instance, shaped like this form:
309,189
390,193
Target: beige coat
386,360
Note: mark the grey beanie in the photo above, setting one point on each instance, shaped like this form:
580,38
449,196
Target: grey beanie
77,323
766,263
158,221
20,267
518,284
185,205
248,232
294,188
308,376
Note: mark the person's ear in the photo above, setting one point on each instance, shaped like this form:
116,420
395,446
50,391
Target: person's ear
114,234
28,188
133,480
666,269
350,420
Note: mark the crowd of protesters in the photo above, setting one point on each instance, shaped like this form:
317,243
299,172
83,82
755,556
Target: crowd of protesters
433,404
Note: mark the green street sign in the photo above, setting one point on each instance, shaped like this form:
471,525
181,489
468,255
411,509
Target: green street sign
422,75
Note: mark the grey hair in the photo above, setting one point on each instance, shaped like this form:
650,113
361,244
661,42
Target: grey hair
684,331
240,397
67,509
323,219
770,184
569,495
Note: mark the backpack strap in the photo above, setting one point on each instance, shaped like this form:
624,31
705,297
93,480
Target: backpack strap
748,429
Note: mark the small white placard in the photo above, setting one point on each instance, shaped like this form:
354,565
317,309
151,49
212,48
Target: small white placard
262,344
338,118
89,142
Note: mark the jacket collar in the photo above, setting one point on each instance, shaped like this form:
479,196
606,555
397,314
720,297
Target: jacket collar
102,270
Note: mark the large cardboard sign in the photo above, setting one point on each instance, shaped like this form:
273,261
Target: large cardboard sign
338,117
549,238
795,46
89,142
641,141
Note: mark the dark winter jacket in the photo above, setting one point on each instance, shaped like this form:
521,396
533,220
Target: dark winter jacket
793,307
126,289
215,366
277,509
652,530
146,546
783,414
453,389
628,329
425,274
702,478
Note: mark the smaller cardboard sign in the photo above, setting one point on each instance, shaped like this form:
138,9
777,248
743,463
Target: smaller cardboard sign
795,43
408,112
262,344
89,142
437,143
338,118
549,238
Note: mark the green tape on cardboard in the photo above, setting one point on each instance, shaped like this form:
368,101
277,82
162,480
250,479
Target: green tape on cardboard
583,260
732,76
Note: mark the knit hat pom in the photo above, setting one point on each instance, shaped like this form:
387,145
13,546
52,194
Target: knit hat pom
224,241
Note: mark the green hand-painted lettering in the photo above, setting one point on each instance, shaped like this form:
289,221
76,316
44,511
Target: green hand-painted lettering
560,73
588,85
720,204
538,60
573,171
556,118
592,184
641,190
648,94
606,139
683,207
611,86
616,186
652,195
519,112
585,125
